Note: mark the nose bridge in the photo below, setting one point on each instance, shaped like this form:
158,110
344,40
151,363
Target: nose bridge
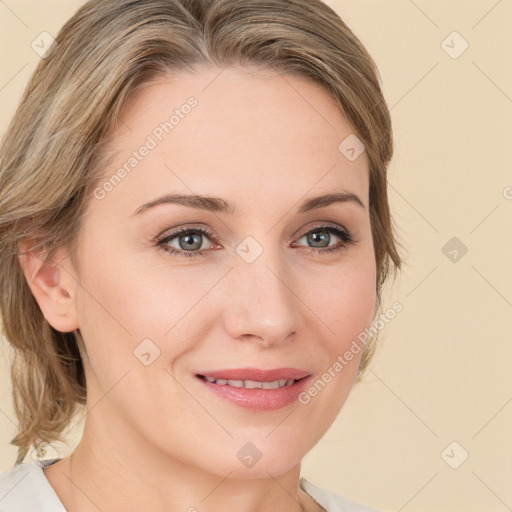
262,301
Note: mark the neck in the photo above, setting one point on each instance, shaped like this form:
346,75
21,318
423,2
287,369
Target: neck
114,469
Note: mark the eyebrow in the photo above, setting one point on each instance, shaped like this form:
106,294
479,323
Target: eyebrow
218,205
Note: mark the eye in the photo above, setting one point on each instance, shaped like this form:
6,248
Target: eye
320,237
189,242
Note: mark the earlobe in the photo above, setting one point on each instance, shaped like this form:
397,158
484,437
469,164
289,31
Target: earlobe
52,286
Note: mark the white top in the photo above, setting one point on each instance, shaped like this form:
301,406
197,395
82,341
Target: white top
25,488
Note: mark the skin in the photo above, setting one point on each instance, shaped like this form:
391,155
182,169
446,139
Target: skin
154,438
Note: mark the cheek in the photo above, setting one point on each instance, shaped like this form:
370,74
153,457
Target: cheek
124,301
344,300
344,312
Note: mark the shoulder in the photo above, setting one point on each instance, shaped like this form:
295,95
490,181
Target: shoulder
25,488
330,501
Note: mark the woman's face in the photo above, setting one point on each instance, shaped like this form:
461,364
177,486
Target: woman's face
250,286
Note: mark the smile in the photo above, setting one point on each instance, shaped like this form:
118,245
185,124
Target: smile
255,389
251,384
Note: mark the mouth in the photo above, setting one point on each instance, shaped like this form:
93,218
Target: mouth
256,389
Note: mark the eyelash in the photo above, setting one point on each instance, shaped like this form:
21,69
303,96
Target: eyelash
344,235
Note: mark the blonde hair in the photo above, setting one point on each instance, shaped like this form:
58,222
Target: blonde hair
55,149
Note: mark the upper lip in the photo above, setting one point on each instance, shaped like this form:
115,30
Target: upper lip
256,374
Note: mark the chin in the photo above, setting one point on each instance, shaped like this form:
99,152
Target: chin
258,459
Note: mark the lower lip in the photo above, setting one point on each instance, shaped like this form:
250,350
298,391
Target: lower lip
259,399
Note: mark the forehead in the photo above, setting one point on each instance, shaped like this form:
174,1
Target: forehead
236,131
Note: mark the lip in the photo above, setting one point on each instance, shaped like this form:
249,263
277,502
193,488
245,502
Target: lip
258,400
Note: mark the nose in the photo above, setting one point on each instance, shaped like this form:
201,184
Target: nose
263,301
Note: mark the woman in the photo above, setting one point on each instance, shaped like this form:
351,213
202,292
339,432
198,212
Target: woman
195,228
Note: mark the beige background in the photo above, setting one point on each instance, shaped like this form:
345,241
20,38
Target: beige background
442,373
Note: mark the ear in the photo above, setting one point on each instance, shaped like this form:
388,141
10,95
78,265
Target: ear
53,285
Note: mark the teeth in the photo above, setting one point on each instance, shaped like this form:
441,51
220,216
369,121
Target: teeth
252,384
